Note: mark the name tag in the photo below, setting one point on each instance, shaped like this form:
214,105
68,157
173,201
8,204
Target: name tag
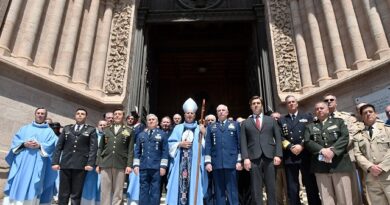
332,127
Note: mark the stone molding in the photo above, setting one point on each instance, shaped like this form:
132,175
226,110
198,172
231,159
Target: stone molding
284,51
117,60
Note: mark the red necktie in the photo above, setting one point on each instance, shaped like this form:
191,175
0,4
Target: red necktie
258,123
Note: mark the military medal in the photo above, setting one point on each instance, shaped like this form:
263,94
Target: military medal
285,129
158,139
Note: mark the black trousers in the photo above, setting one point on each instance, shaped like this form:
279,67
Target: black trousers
244,187
71,186
263,171
308,180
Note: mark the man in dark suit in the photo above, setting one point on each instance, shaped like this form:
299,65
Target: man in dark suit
75,154
115,159
295,157
261,149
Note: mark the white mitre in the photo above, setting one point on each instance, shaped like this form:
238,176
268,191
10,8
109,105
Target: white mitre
190,105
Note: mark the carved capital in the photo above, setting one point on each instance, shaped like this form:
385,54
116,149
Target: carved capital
285,57
117,60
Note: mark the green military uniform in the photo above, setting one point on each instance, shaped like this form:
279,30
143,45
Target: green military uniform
332,133
352,125
116,150
333,180
375,150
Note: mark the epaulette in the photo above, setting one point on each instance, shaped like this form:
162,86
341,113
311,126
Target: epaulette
347,113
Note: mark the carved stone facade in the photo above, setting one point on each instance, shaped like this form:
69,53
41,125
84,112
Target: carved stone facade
318,45
285,57
117,61
44,44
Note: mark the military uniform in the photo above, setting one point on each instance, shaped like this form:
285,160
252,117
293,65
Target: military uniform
375,150
223,152
292,134
353,126
114,155
332,178
75,149
151,154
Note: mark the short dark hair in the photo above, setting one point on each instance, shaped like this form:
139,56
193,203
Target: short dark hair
104,115
134,114
41,108
82,109
118,109
169,118
254,98
289,96
366,106
329,94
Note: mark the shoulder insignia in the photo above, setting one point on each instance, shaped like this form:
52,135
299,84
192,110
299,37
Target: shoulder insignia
346,113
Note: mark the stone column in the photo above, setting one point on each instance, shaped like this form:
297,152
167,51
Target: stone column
28,29
65,55
354,35
101,48
50,34
83,58
334,38
301,47
376,28
318,49
9,25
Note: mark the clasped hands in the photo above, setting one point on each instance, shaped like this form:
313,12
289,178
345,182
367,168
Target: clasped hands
32,144
328,154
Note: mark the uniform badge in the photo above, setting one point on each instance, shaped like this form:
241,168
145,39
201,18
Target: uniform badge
231,126
332,127
316,129
303,120
86,133
214,126
158,137
125,133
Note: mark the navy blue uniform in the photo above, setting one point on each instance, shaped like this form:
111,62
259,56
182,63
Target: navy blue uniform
223,152
293,133
150,154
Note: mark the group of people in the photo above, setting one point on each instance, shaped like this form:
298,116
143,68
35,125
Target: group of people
341,160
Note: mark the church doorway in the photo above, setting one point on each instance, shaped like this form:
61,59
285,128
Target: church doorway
216,61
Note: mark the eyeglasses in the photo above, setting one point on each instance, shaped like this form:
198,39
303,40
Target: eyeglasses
329,100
